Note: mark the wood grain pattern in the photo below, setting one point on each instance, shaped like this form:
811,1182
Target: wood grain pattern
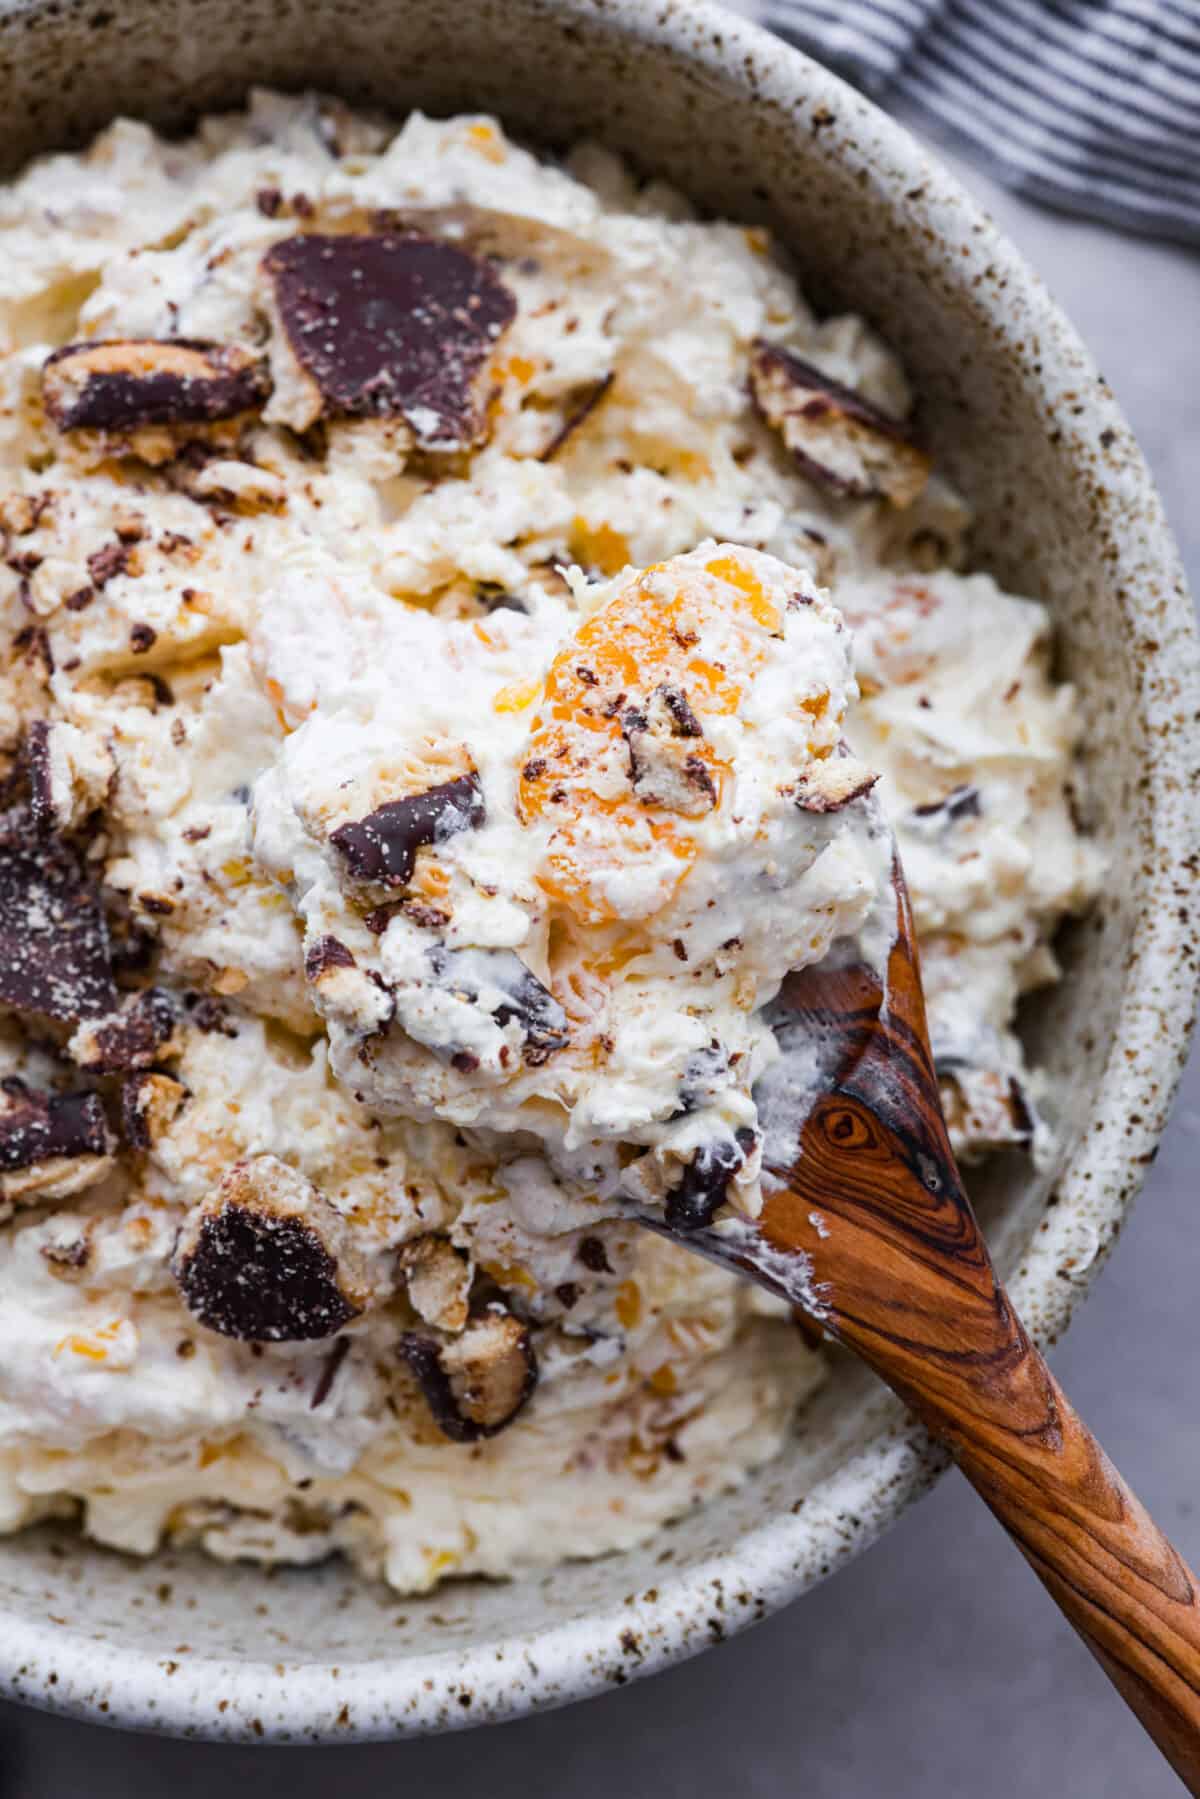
874,1232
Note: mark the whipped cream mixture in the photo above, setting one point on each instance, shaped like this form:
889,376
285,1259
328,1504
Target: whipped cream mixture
467,628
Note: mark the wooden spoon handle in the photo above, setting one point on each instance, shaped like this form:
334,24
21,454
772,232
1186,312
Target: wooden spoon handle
945,1337
1105,1562
869,1228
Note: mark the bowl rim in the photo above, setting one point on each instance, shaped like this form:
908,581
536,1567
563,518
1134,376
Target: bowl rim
769,1565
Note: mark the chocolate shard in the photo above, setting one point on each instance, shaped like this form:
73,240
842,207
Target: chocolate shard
534,1008
381,848
836,782
379,918
1021,1112
267,1259
210,1014
329,1373
578,415
391,326
476,976
54,950
695,1202
133,1037
60,776
961,802
109,561
474,1384
51,1144
324,954
31,645
425,917
593,1255
122,383
838,438
684,722
40,774
494,598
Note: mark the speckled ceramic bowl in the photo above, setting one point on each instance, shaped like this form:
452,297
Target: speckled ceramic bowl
1022,420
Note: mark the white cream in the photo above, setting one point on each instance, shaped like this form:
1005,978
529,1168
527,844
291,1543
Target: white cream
258,643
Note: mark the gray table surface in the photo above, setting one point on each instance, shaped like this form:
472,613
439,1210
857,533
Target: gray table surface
933,1666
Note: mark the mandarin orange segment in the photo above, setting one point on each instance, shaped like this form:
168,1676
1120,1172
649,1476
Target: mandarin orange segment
599,546
516,696
702,631
762,610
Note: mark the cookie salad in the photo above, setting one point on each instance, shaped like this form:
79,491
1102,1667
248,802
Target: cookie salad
466,629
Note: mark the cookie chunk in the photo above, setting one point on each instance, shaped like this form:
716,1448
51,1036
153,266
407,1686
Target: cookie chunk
837,437
121,384
474,1384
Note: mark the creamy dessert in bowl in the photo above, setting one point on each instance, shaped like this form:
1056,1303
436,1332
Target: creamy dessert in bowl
469,630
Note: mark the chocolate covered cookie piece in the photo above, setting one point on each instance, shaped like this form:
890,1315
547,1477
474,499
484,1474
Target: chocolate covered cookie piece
124,383
52,1145
987,1108
356,998
381,848
266,1258
385,326
838,439
133,1037
150,1103
54,950
67,775
474,1384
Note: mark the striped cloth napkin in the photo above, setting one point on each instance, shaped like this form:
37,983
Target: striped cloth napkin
1091,105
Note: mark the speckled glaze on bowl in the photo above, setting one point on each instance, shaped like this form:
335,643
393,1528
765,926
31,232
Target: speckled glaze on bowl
1022,420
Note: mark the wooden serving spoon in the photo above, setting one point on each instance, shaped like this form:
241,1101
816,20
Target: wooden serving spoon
871,1232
